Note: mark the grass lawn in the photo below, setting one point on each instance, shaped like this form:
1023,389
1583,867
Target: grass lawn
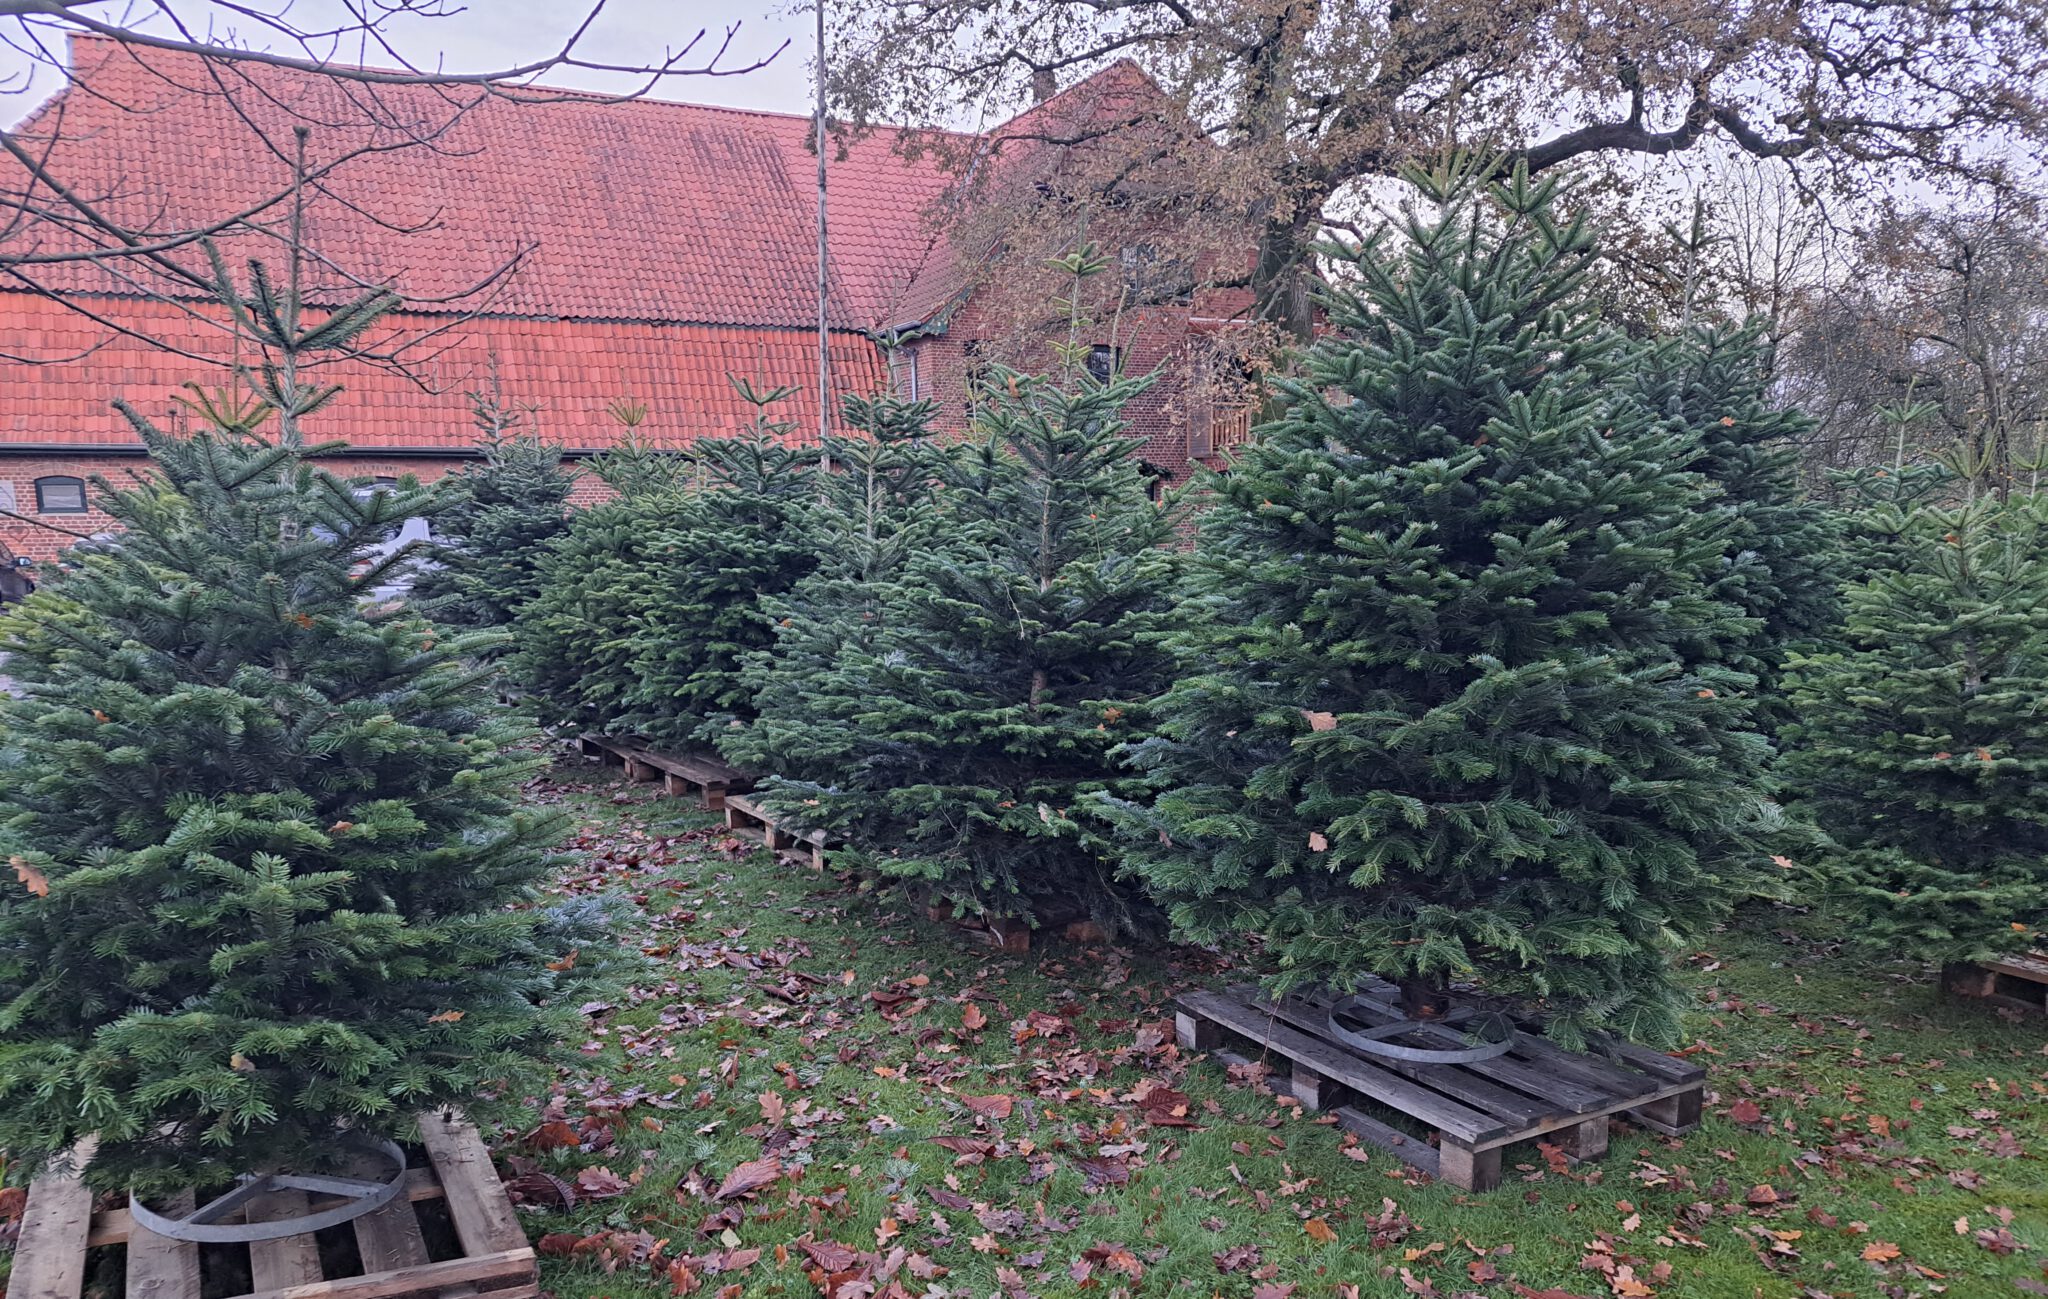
809,1088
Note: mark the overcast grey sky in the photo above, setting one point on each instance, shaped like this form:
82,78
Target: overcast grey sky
504,33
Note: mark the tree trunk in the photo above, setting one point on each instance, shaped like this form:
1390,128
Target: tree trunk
1424,997
1280,279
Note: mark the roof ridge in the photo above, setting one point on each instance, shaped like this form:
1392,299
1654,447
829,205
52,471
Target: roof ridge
565,92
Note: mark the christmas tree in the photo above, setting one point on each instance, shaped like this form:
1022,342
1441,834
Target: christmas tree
736,539
1783,566
1018,649
1920,747
265,833
574,650
650,602
1441,718
872,512
496,523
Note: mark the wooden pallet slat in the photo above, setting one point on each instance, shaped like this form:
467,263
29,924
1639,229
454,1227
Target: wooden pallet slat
485,1221
2018,980
1481,1083
288,1260
1332,1062
388,1237
49,1255
507,1275
159,1267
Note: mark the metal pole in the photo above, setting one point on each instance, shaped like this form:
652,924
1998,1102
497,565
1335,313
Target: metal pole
824,349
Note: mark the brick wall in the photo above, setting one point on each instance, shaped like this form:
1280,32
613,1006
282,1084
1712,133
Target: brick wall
1149,340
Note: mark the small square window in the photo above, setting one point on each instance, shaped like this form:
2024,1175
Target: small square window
60,496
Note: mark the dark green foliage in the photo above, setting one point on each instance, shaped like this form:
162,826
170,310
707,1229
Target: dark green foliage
1443,716
574,650
280,829
1783,566
870,515
650,602
731,542
495,523
1921,747
1017,649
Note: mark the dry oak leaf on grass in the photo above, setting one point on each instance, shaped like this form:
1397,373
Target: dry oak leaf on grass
748,1178
1880,1251
601,1183
989,1107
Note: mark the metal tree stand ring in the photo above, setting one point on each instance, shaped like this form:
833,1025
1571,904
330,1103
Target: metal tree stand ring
1372,1041
359,1196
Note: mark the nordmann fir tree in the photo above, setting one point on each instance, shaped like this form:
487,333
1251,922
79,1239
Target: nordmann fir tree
1783,564
1018,649
734,539
574,651
649,602
496,523
870,514
1920,747
266,835
1436,722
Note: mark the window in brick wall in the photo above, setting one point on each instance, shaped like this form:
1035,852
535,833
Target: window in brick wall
60,494
1105,362
7,499
903,376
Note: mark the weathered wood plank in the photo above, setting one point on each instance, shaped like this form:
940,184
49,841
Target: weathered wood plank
2024,966
1673,1115
1467,1167
291,1260
1586,1140
1411,1098
484,1219
159,1267
49,1255
1413,1151
504,1275
389,1237
1196,1032
1552,1078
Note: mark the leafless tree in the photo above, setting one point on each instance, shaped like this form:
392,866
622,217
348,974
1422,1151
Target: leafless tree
1949,309
1304,100
71,234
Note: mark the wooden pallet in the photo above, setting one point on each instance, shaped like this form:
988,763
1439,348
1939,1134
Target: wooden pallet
681,774
59,1229
2019,981
1475,1111
747,819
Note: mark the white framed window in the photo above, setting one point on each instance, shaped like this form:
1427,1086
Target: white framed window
903,375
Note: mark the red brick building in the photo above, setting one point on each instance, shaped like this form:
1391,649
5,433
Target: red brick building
580,261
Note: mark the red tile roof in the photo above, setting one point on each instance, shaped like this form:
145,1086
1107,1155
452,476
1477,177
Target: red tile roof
639,210
662,248
571,371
